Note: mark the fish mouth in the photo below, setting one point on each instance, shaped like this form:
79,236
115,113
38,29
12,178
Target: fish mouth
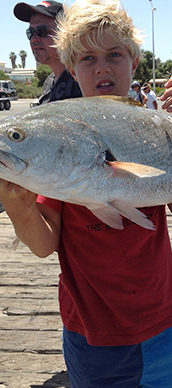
11,163
105,86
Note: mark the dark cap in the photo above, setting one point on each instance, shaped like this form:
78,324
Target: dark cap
145,86
24,11
135,83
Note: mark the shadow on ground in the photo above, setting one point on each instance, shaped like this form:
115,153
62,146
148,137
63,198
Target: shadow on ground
59,380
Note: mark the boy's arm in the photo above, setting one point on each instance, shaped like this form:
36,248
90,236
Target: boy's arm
37,225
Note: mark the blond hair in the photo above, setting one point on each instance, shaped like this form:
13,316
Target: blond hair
93,16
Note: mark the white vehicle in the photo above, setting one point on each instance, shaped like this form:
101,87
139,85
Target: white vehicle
5,103
7,88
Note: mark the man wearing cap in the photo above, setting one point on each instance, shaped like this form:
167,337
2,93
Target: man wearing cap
151,102
42,18
141,96
60,84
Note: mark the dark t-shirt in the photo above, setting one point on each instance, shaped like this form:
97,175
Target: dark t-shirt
65,87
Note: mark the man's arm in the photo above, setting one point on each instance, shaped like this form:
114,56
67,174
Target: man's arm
155,104
37,225
144,98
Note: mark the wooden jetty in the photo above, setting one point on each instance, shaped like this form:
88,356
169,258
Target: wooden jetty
30,323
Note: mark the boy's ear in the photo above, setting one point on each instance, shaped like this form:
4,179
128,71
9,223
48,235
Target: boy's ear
134,65
72,72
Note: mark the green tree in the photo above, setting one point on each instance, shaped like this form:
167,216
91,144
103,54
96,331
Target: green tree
42,73
3,75
164,69
23,56
13,57
160,70
168,68
148,55
144,69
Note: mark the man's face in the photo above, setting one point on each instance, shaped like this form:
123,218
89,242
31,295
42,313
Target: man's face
41,47
107,70
147,90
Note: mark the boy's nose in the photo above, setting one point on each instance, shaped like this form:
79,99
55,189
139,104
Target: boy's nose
102,67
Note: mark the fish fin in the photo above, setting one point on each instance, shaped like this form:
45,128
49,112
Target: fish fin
133,214
112,213
109,215
125,100
125,169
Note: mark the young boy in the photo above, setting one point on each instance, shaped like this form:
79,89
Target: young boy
115,288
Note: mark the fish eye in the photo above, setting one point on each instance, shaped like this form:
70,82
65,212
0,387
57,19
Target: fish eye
15,134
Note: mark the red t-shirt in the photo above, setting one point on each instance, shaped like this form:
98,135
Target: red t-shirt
116,286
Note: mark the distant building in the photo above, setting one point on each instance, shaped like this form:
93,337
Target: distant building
18,74
159,82
4,68
23,75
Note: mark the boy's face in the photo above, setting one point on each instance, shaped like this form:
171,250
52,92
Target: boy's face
103,71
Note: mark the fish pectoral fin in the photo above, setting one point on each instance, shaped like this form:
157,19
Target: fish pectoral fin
133,214
109,215
126,169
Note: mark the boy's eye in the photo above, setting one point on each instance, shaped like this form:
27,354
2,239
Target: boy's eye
87,58
114,55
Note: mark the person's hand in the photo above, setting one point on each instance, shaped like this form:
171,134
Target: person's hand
15,198
167,96
36,225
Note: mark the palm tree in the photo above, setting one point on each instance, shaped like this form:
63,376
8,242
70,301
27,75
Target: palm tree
23,56
13,57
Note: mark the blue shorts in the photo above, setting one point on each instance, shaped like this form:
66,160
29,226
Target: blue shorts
145,365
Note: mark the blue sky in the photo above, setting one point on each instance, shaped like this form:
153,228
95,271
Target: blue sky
13,38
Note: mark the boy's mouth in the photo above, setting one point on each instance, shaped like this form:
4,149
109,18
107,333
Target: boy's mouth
105,86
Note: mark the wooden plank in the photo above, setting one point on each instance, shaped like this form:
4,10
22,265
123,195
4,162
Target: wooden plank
26,276
31,341
29,274
32,362
31,292
25,370
28,280
29,268
17,306
24,380
35,380
31,322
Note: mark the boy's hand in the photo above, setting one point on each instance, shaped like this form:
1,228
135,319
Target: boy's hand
167,96
15,198
37,225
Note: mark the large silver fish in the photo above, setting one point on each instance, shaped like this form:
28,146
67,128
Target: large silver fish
94,152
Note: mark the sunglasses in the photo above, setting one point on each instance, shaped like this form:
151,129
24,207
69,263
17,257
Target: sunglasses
41,31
